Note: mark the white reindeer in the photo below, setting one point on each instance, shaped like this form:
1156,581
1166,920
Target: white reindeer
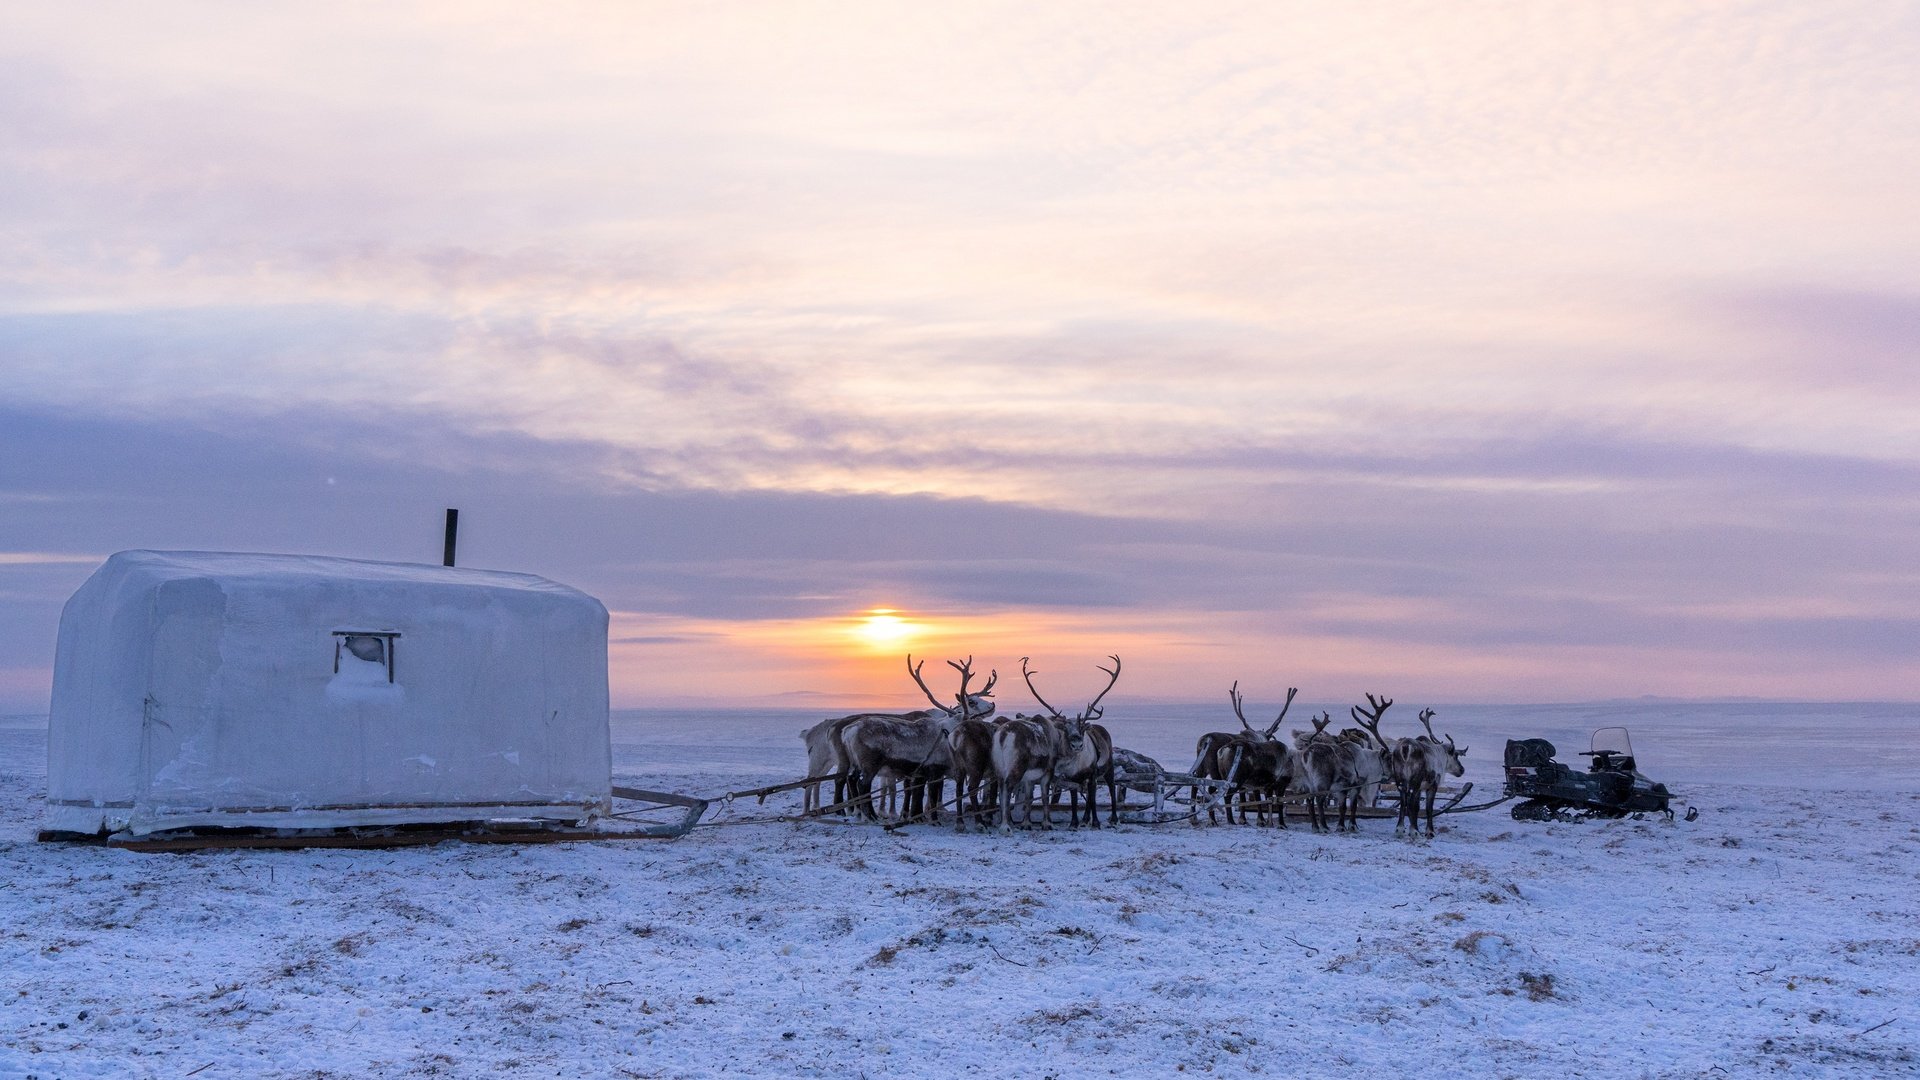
1081,762
1416,766
1026,752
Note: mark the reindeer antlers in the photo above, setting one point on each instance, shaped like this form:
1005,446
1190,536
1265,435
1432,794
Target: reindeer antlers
966,676
965,668
1377,707
1320,722
1370,720
1028,674
1113,676
1426,717
914,670
1092,711
1275,726
966,672
1238,701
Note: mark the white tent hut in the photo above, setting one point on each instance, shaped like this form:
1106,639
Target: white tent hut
199,689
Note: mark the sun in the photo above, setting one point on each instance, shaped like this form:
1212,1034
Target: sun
884,627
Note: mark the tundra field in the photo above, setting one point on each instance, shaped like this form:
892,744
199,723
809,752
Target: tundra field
1779,934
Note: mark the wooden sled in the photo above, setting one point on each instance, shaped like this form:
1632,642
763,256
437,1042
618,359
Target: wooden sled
628,823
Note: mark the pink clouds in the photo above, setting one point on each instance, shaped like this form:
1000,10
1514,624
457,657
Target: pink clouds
1296,281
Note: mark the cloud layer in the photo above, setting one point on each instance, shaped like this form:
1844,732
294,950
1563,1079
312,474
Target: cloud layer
1517,352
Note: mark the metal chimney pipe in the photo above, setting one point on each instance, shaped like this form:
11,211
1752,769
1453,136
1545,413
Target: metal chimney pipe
453,532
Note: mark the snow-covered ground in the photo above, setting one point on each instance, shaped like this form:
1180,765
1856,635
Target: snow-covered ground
1778,934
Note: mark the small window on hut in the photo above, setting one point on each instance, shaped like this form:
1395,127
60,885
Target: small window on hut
364,655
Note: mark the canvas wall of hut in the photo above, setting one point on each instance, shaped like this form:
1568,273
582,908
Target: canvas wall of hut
197,689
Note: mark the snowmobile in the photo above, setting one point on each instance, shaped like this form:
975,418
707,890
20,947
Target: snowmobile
1612,786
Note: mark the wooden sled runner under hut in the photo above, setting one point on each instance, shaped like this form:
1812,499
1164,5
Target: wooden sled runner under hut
213,699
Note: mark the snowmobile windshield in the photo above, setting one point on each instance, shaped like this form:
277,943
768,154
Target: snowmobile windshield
1612,740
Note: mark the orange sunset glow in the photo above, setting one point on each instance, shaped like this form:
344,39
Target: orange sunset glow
885,629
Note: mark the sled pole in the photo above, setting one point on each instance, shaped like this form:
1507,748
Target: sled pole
695,808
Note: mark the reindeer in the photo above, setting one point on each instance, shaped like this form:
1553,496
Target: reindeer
1255,762
914,747
971,749
1346,770
1025,751
1082,769
879,749
1214,756
823,742
970,743
1323,767
1365,765
824,755
1102,741
1215,753
1417,765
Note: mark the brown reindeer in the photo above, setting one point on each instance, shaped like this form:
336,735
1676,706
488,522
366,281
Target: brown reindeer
1215,754
969,753
1416,766
1256,766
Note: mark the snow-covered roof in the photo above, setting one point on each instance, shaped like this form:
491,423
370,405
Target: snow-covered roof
241,566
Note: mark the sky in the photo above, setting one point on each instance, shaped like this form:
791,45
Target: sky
1460,351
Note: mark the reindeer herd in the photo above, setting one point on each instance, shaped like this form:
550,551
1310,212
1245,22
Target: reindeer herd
998,763
988,758
1341,771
